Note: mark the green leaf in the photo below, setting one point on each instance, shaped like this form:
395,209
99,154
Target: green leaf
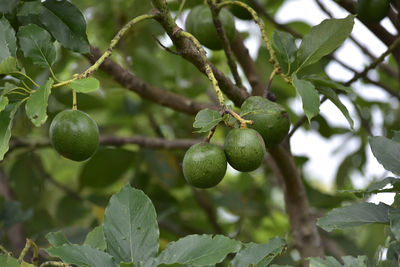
285,49
130,227
396,136
7,6
126,264
8,87
105,167
81,256
86,85
253,254
349,261
206,119
323,39
355,215
378,187
387,152
333,97
66,23
8,65
30,8
6,122
57,239
8,261
96,239
8,42
198,250
3,102
37,45
394,217
318,80
36,106
309,96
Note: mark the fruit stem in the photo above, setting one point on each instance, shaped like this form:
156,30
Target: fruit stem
109,50
243,122
28,245
74,103
264,36
207,67
271,77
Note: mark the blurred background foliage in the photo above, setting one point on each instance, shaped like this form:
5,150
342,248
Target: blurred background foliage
51,193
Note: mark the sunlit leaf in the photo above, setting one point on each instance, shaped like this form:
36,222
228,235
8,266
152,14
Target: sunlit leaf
323,39
206,119
86,85
36,106
355,215
309,96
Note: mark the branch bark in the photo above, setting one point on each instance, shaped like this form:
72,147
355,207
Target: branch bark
152,93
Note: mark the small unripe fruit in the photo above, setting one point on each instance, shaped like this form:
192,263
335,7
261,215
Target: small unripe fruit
269,119
74,135
244,149
204,165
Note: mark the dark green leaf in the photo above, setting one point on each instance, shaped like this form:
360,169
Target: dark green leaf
355,215
57,239
3,102
396,136
96,239
86,85
318,80
30,8
323,39
285,50
309,96
349,261
8,261
253,254
387,152
394,216
6,122
36,106
206,119
66,23
105,167
379,187
8,65
130,227
12,213
126,264
37,45
333,97
26,179
7,6
8,42
69,210
198,250
82,256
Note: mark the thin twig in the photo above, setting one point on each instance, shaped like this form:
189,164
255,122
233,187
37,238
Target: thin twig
225,42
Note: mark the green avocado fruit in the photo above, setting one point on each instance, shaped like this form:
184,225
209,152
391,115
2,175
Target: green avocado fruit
199,22
244,149
241,12
204,165
269,119
74,135
372,11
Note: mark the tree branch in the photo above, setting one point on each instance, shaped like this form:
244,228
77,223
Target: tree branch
152,93
188,51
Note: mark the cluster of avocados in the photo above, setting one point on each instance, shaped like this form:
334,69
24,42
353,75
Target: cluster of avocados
74,135
204,164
